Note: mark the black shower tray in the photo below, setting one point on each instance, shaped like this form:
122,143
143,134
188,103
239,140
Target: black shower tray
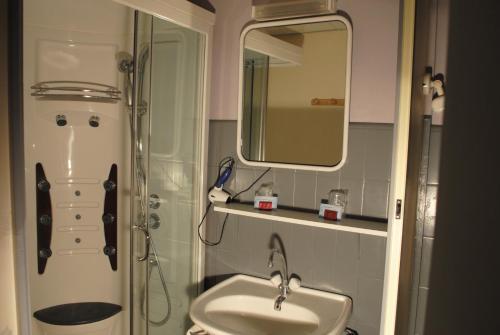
77,313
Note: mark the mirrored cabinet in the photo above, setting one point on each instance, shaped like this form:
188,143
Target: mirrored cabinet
295,93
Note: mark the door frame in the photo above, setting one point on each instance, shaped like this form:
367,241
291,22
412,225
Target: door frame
399,170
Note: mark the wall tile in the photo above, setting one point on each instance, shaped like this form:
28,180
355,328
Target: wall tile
347,253
355,197
304,194
324,248
211,223
364,329
423,294
245,243
345,263
378,152
429,226
425,268
212,175
283,182
175,261
353,323
355,163
369,302
211,260
176,224
267,178
325,182
284,231
228,143
372,256
244,178
227,262
253,242
434,155
301,252
345,283
214,142
375,198
230,236
430,210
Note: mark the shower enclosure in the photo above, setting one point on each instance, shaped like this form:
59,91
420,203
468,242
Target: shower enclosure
112,146
166,168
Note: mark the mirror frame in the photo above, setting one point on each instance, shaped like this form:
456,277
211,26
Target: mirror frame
285,22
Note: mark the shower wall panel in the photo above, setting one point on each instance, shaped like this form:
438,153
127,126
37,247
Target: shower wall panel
76,41
175,168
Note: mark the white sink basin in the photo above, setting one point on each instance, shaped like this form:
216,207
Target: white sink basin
244,305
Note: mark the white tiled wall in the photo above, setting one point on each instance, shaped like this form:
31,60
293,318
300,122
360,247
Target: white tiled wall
325,259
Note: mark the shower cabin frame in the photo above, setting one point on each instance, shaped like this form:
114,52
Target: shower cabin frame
190,16
181,13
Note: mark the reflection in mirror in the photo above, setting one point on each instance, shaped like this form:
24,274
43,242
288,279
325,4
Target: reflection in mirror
295,94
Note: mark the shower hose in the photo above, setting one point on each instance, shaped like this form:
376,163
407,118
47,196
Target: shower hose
153,260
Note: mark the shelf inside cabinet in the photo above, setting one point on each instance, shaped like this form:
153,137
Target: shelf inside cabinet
304,218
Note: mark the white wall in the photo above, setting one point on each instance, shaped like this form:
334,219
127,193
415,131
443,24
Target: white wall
374,63
231,16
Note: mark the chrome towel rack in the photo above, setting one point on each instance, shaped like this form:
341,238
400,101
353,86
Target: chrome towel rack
75,91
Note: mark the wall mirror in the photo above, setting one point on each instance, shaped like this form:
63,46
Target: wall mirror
294,93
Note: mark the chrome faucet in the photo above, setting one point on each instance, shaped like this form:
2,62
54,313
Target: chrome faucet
283,287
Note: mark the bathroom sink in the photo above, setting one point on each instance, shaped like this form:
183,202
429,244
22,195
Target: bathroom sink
244,305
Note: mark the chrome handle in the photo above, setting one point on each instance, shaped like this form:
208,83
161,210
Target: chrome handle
147,236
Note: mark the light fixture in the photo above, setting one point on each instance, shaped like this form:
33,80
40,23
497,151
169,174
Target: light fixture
265,10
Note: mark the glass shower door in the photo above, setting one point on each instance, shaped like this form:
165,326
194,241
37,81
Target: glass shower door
169,130
139,207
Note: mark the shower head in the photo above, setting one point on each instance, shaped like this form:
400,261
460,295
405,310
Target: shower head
125,62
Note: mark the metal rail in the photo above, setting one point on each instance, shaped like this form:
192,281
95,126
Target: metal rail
76,91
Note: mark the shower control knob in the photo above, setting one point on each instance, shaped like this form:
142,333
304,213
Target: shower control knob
94,121
61,120
154,201
109,185
108,218
45,220
43,185
45,253
154,221
109,250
